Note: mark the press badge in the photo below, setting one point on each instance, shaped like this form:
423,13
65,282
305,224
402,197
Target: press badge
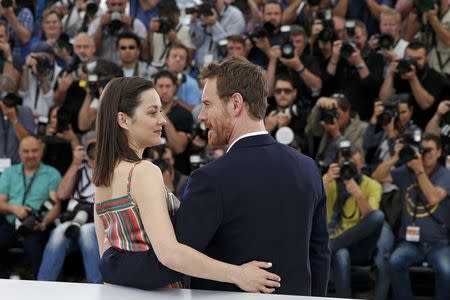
208,58
413,233
4,163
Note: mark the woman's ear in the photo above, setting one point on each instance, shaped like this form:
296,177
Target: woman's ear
122,120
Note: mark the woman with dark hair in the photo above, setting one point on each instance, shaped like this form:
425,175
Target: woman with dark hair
133,208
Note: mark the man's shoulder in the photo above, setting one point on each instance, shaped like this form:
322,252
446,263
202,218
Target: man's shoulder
48,170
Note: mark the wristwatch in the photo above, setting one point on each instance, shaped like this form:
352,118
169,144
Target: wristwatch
301,69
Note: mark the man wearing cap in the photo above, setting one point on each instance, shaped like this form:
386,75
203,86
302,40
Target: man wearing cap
39,76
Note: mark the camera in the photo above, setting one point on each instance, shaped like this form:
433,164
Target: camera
390,112
411,142
91,8
203,9
200,130
11,100
405,65
181,78
83,213
263,31
287,47
386,41
6,3
445,120
327,35
43,65
347,169
313,2
73,64
90,150
424,5
41,126
328,115
116,22
63,42
222,48
63,120
165,25
196,161
26,225
347,49
326,17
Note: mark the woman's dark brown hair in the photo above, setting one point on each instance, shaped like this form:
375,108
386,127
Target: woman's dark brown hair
120,95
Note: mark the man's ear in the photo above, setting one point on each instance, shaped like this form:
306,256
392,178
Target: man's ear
122,120
238,104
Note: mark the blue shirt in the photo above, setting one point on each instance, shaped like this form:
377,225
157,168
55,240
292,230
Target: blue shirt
136,11
189,91
46,180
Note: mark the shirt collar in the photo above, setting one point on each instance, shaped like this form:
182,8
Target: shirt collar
247,135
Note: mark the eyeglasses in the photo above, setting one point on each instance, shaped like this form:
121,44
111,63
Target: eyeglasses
282,90
123,48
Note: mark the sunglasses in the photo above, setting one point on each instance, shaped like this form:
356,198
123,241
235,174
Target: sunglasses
282,90
123,48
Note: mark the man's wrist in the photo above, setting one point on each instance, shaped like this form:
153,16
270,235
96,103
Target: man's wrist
360,66
14,121
300,69
419,173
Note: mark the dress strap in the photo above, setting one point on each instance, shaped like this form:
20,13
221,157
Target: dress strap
129,179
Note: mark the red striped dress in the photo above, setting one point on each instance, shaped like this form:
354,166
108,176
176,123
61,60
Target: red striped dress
123,224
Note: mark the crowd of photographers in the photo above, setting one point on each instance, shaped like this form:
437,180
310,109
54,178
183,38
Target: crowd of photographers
363,87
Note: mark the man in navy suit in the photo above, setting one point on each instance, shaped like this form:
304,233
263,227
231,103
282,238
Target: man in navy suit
261,200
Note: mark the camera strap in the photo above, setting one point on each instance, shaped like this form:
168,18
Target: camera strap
442,65
27,187
167,45
36,97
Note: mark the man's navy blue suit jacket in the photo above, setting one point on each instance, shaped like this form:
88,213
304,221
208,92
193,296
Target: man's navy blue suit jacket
260,201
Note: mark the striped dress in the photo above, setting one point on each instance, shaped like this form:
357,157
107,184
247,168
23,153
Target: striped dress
123,224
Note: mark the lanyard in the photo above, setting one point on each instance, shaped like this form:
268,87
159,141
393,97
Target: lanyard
27,187
5,134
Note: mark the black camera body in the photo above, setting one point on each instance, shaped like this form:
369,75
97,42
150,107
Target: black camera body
424,5
63,120
165,25
313,2
347,49
200,130
27,224
116,24
91,8
328,115
327,35
63,42
386,41
390,112
43,65
347,170
83,213
287,47
204,9
266,30
6,3
405,65
11,100
222,48
411,142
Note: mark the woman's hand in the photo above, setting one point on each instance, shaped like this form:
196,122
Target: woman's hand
253,278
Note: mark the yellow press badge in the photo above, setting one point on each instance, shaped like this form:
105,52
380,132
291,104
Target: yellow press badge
413,233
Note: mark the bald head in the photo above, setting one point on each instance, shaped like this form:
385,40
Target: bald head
30,152
84,46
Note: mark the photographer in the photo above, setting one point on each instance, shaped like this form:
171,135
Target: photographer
69,86
39,76
129,50
333,120
20,25
102,73
412,75
179,121
435,124
211,22
287,111
355,70
105,29
354,221
25,205
303,68
16,124
394,118
424,233
9,65
79,16
77,186
389,42
166,30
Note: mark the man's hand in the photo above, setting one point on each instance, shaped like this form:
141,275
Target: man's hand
378,109
388,55
67,135
127,21
432,13
153,25
65,81
271,121
171,36
6,50
326,103
355,58
332,129
352,187
79,155
80,5
263,44
410,75
416,165
443,108
336,51
7,12
393,67
373,41
332,173
20,211
210,20
316,28
293,63
283,119
274,52
9,112
105,19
